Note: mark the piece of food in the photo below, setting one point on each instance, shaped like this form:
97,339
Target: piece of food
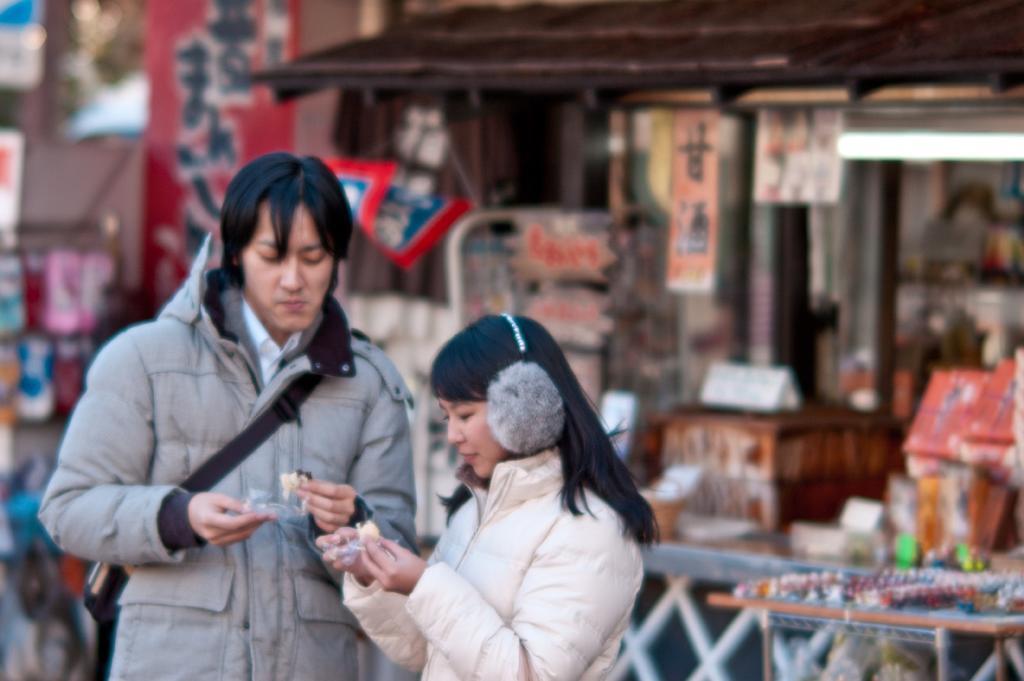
368,531
292,481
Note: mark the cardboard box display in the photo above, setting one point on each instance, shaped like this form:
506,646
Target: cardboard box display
945,412
992,420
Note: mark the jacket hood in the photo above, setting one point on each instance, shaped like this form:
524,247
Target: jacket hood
187,303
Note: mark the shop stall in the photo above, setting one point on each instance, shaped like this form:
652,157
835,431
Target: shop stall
68,269
920,606
735,200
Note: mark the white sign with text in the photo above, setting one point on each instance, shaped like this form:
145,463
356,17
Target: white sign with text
12,161
750,388
22,38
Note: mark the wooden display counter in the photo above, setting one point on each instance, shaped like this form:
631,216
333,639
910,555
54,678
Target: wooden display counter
777,468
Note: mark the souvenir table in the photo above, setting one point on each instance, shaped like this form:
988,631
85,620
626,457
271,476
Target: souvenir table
688,570
914,624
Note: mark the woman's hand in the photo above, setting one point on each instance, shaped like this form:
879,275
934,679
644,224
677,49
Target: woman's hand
330,504
339,538
396,568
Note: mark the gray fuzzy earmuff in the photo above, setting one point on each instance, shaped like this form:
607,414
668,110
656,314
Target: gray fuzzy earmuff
524,408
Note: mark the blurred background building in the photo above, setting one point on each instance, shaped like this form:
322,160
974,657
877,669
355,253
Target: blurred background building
760,230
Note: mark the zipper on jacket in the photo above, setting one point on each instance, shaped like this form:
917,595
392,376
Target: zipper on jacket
482,514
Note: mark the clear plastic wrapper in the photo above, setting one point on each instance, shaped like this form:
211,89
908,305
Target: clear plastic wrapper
262,501
346,552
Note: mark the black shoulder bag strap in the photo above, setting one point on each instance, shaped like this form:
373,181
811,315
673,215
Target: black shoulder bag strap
284,410
106,580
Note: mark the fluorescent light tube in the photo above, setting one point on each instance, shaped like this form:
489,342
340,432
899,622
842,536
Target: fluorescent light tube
932,146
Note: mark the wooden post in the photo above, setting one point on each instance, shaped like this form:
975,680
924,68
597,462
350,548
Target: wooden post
583,156
570,155
39,111
794,332
889,223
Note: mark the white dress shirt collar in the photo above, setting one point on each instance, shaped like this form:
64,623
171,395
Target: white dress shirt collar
270,353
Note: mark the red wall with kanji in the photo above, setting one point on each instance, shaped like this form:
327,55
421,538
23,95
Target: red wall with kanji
206,118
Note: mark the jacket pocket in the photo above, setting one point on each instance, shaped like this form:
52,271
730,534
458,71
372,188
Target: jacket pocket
326,635
207,587
174,623
319,600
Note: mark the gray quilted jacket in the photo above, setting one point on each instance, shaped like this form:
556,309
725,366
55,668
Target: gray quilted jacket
161,398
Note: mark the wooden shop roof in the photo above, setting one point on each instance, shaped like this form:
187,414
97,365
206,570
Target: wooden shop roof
726,47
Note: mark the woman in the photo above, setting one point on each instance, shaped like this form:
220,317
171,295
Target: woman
536,574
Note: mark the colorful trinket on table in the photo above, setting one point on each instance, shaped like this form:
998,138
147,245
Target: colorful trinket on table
922,588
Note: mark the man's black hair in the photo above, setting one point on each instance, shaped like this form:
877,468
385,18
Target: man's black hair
282,181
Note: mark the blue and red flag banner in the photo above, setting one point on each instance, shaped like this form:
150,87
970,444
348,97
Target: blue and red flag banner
402,224
365,183
408,224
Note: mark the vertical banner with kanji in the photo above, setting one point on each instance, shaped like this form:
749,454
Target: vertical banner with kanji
206,117
693,232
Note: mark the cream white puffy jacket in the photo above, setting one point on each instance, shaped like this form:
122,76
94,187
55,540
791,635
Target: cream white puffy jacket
517,588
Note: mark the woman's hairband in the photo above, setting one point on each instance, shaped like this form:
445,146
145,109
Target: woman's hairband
520,341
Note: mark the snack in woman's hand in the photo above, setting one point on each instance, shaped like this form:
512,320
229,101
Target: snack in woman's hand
292,481
368,531
346,553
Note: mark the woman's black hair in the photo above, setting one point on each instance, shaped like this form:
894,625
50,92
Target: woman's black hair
465,367
283,181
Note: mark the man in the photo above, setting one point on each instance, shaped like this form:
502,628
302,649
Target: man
219,591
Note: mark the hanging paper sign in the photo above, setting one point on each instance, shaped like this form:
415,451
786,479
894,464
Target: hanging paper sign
408,225
12,159
797,159
574,315
619,412
421,144
365,183
693,233
22,38
556,245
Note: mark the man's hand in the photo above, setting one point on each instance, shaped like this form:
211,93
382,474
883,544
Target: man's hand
210,515
395,567
330,504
